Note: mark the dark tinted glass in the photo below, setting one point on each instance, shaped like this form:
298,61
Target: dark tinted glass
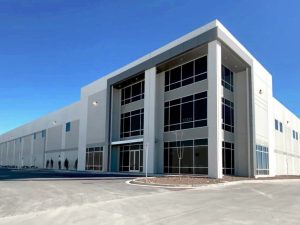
201,156
175,114
166,116
187,99
187,156
187,110
136,89
187,70
175,102
175,75
135,122
201,65
167,78
201,109
126,124
201,142
127,92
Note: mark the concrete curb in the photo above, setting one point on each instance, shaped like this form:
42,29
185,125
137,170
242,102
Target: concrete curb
156,185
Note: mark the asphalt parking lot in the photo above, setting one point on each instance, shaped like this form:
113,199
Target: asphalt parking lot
31,197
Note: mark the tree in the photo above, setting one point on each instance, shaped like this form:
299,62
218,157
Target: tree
179,149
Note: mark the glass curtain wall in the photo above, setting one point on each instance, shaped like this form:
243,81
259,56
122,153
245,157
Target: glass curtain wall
94,158
186,74
262,160
228,158
193,154
185,113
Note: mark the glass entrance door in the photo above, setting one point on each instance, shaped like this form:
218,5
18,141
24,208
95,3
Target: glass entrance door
131,158
134,160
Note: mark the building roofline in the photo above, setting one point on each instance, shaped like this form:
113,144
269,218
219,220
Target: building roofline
222,34
88,89
285,108
45,120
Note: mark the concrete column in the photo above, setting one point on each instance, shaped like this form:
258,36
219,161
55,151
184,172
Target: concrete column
214,110
149,120
82,135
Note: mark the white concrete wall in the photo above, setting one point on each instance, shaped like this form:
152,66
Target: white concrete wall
92,129
30,151
287,149
263,99
27,159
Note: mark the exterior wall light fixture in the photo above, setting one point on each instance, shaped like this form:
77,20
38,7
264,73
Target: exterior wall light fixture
95,103
260,91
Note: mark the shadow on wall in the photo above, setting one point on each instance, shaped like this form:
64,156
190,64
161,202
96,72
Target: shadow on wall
66,165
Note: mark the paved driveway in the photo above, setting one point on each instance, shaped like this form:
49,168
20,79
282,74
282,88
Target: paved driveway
108,200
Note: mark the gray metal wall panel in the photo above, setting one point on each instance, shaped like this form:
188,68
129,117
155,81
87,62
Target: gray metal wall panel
39,150
54,138
186,90
72,136
188,134
96,118
27,156
132,106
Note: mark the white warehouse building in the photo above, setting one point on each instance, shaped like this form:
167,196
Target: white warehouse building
201,104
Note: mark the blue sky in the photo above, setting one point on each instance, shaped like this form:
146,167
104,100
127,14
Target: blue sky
49,49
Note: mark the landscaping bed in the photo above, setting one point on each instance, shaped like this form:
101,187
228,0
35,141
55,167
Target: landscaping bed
186,180
192,181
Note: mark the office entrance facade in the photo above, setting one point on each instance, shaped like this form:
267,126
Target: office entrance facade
131,158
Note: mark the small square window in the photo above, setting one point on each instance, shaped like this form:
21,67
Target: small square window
281,128
276,125
68,126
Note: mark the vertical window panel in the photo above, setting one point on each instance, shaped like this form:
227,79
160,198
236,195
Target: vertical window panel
227,115
227,78
228,158
262,160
